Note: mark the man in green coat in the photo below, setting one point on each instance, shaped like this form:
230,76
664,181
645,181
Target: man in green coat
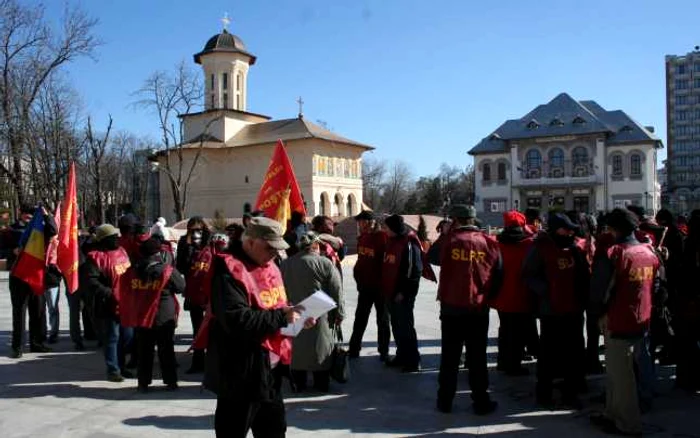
304,274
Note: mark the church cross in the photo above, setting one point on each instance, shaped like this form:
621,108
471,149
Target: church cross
226,21
300,101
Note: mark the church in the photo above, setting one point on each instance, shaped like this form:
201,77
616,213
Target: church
236,147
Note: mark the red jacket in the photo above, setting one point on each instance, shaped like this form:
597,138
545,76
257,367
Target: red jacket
629,309
513,296
370,257
467,260
195,292
113,264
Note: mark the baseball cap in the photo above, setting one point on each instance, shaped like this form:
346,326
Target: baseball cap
267,229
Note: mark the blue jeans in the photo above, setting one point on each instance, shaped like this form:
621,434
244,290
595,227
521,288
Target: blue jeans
644,367
74,307
117,340
51,294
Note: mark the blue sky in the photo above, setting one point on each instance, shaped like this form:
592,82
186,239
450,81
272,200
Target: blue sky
422,81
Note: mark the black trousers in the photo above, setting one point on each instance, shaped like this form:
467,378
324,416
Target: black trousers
197,316
512,337
470,330
322,379
404,327
366,299
234,417
532,337
561,353
592,338
23,299
148,339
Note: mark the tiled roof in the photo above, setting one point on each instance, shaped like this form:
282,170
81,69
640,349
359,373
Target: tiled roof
565,116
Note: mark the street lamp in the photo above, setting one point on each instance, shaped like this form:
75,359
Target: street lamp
646,201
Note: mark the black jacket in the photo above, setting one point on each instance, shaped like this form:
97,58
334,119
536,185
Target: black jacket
151,269
237,366
95,286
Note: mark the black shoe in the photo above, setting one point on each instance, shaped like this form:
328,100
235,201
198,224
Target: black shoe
143,389
53,339
127,374
16,353
79,346
407,369
444,406
173,386
484,407
116,378
39,348
352,354
394,362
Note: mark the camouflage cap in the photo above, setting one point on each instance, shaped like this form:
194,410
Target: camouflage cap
267,229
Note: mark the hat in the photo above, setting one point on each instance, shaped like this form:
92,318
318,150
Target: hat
150,247
365,215
623,220
513,218
104,231
267,229
462,211
128,221
308,239
396,224
560,220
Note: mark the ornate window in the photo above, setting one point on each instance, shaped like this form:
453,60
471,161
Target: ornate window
487,172
533,162
556,163
579,159
636,166
617,166
501,171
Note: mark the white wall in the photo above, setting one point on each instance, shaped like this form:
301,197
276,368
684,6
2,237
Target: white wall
494,189
628,186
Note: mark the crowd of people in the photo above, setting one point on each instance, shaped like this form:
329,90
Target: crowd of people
623,276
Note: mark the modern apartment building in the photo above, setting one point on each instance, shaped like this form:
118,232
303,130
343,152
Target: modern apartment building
682,192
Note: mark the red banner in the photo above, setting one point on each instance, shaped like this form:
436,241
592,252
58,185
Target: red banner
68,257
279,187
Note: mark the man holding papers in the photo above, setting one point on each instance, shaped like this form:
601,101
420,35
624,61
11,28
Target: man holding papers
245,346
304,274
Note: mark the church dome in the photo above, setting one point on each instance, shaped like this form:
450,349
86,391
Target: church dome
224,42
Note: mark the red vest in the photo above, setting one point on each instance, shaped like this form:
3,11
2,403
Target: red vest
560,270
114,265
392,260
131,246
629,310
513,296
466,263
195,291
370,256
140,299
265,290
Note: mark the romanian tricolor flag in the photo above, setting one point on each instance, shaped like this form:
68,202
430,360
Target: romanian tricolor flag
31,264
280,195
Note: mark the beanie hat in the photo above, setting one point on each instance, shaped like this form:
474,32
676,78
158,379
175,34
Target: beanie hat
396,224
513,218
150,247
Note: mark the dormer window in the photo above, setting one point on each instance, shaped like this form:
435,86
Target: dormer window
556,122
578,120
626,128
532,124
494,136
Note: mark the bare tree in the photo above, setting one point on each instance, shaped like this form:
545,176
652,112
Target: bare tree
373,174
171,95
96,160
30,52
396,188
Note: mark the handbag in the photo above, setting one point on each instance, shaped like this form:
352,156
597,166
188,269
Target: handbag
340,363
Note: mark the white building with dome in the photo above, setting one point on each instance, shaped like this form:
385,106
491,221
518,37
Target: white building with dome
237,146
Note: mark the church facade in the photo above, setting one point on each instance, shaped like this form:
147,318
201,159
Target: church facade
569,155
233,147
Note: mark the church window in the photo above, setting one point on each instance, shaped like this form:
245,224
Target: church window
212,101
224,81
211,86
238,82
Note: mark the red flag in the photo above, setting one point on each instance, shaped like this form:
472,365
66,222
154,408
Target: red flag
279,183
68,234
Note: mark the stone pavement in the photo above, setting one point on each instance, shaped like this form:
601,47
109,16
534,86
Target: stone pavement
64,394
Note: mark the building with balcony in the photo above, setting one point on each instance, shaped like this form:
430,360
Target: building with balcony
682,192
568,155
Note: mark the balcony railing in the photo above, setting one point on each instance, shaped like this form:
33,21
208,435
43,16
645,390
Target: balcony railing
566,172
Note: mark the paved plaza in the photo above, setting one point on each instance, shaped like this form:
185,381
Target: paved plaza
64,394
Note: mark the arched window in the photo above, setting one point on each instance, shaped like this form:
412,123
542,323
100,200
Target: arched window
556,158
636,165
487,172
501,171
617,165
579,156
533,159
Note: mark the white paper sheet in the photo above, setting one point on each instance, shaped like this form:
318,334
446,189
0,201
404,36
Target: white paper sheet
315,306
